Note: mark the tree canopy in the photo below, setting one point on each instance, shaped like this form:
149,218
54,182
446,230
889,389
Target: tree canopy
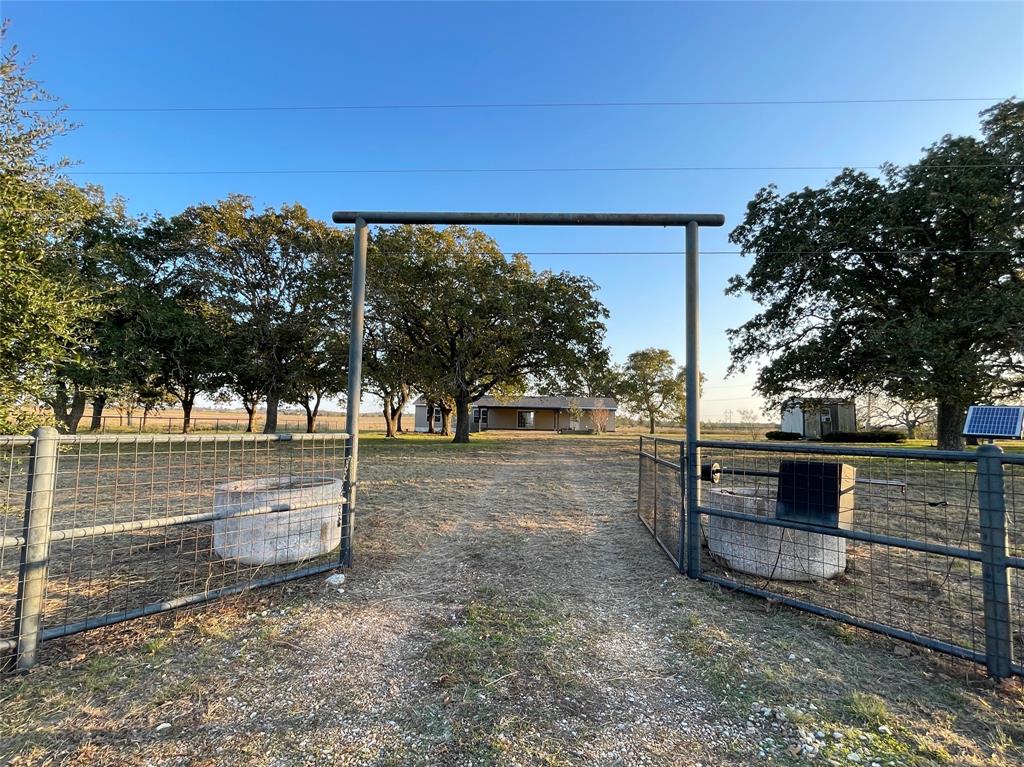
42,312
474,321
911,283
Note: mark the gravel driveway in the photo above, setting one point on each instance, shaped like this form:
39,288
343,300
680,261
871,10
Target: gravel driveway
506,607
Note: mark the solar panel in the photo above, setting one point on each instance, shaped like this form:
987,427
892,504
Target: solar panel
994,421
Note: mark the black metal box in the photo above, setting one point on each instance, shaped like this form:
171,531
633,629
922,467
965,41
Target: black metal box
817,493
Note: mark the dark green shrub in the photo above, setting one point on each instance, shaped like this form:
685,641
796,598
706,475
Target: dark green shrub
865,436
786,436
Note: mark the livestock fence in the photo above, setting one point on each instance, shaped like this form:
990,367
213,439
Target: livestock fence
925,546
99,529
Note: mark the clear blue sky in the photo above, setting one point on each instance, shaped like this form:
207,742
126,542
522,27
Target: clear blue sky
103,55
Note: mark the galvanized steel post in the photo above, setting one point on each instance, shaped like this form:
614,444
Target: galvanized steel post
681,544
35,553
995,580
355,384
692,399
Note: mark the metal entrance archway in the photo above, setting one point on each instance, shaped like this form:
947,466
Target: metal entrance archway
690,221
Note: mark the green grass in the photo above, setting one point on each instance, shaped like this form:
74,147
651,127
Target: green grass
498,638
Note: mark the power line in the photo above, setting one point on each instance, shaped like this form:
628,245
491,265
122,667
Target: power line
637,169
525,105
852,251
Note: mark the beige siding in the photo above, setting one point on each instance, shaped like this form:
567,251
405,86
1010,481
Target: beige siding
543,419
508,418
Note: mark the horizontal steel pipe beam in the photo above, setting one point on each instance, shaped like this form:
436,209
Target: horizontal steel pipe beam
528,219
775,475
825,612
11,541
853,535
153,608
952,456
661,461
233,512
665,440
9,441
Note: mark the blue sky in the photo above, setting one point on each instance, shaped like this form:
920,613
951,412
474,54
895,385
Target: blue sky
130,55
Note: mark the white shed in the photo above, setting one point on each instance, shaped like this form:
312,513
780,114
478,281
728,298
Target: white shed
817,418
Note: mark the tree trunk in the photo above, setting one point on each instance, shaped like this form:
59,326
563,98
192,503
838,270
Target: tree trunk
68,412
430,418
403,397
145,415
186,410
911,431
270,427
652,423
461,419
446,421
98,403
950,425
250,413
311,413
389,417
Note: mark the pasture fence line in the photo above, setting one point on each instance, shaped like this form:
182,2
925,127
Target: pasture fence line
96,529
924,546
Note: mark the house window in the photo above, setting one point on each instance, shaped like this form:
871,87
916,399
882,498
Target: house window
437,416
525,419
483,416
476,415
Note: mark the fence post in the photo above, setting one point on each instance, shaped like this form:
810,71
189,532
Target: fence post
35,554
355,384
692,305
996,584
681,555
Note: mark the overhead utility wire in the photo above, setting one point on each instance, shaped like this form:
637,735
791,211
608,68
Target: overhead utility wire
641,169
525,105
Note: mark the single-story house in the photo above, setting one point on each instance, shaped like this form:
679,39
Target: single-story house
816,418
532,413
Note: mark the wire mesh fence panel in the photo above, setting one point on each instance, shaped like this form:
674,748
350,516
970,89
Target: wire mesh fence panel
647,491
670,501
659,497
1013,478
14,459
906,550
134,525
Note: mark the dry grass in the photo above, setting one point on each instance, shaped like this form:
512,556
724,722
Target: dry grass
506,607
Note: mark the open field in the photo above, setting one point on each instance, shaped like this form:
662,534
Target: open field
506,607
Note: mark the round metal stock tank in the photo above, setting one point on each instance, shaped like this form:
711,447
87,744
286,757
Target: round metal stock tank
278,537
766,550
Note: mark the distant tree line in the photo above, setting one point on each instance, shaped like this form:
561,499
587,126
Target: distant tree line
231,303
222,300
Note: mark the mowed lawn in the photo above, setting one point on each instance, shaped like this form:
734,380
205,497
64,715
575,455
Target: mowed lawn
506,607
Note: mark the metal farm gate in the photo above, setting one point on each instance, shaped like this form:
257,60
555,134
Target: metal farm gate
925,546
98,529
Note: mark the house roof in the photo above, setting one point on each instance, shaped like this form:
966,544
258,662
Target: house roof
544,403
798,401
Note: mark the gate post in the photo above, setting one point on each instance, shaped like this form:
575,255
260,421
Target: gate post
35,553
996,584
692,399
355,386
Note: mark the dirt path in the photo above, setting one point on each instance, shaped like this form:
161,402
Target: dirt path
506,607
